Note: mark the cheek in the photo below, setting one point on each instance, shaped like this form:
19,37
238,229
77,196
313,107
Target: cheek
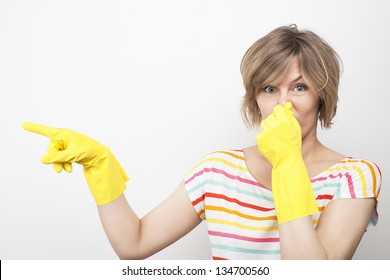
305,109
265,112
266,107
306,117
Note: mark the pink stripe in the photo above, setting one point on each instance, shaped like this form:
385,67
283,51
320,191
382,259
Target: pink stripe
349,180
241,237
350,185
325,178
219,171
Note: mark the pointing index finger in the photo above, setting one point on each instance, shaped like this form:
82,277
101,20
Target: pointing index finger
44,130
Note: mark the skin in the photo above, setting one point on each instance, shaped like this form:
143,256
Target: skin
134,238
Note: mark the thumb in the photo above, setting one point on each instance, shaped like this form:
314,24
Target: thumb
288,109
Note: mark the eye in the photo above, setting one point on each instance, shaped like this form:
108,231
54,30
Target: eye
300,88
269,89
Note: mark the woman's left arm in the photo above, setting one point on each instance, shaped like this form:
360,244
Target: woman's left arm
337,235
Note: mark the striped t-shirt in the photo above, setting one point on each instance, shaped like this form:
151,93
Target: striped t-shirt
240,213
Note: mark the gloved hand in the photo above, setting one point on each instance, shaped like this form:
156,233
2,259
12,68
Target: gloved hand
105,177
280,142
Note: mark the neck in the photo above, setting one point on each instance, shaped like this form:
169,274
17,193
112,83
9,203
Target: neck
311,147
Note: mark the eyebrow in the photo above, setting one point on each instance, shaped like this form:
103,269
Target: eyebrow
297,79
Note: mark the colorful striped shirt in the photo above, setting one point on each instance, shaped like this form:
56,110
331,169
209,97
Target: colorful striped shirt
239,211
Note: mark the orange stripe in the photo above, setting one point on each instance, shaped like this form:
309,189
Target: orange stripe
373,177
230,154
234,212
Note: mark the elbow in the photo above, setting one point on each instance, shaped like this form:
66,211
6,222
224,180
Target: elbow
125,255
130,255
135,252
309,254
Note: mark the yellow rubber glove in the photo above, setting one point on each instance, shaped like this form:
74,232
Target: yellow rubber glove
105,177
280,142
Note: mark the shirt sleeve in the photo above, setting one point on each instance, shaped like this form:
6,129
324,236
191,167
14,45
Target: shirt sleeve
362,179
195,183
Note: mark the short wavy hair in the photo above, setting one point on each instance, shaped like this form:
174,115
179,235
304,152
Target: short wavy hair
267,59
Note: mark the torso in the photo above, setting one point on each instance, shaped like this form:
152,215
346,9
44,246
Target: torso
240,212
261,169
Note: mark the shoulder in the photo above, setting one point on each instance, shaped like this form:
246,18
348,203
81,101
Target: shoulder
353,178
359,176
219,158
215,166
364,168
227,153
355,166
222,156
359,166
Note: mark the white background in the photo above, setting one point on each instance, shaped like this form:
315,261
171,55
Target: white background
158,82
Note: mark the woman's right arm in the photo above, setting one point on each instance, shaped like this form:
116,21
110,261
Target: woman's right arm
135,238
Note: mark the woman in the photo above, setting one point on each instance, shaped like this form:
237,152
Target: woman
286,197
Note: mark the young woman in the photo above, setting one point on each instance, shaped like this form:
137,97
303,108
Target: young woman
287,197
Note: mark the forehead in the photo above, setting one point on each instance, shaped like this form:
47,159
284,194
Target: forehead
293,71
286,71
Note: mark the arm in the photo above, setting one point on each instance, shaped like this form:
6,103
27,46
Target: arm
343,221
130,236
134,238
337,235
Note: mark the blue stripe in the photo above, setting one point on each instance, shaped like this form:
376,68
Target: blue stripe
226,186
245,250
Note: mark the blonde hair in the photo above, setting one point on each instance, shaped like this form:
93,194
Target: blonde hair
266,60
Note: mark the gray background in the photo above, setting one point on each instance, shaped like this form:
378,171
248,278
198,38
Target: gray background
158,82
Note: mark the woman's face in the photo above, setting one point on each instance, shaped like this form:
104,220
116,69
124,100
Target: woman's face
292,88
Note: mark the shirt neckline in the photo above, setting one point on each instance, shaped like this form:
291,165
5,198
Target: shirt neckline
241,151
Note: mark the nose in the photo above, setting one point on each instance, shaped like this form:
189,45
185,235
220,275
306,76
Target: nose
283,97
